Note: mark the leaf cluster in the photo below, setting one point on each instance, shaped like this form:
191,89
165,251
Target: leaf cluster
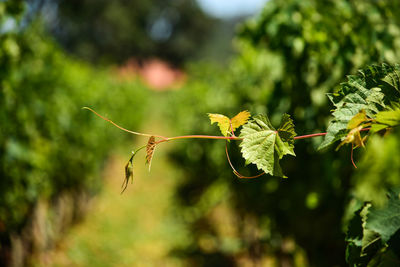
261,144
368,98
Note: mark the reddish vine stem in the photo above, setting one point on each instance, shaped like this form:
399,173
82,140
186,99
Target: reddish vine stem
351,156
320,134
309,136
165,139
235,171
233,137
122,128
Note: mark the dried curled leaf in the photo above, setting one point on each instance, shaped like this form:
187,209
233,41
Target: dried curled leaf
151,145
227,125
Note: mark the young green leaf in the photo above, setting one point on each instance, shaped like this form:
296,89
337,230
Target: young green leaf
264,146
385,119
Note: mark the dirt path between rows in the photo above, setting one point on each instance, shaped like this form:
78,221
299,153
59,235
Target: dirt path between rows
137,228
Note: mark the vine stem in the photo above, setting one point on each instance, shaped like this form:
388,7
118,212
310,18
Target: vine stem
201,137
122,128
309,136
165,139
320,134
235,171
351,156
233,137
126,181
239,138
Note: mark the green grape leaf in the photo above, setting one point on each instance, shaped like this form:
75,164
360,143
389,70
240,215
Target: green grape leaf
227,125
392,79
373,234
264,146
355,236
355,229
365,246
385,119
385,221
371,90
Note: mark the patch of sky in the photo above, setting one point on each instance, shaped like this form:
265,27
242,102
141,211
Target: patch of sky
226,9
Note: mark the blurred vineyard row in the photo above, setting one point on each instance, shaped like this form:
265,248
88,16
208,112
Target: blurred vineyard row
51,151
288,58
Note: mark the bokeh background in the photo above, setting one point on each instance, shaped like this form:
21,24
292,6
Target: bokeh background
160,66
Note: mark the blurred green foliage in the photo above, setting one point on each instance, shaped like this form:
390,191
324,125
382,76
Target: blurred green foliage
114,31
48,144
379,169
289,58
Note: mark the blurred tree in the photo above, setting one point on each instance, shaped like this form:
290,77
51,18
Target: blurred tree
113,31
47,150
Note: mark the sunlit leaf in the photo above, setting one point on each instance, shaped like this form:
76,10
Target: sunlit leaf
240,119
227,125
357,120
386,119
222,121
287,133
264,146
